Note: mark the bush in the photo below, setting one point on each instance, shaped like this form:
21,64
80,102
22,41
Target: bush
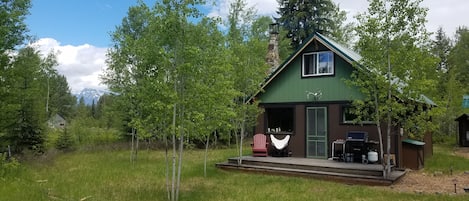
84,133
65,141
8,165
450,140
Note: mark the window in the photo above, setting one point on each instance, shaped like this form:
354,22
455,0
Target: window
318,63
349,117
280,119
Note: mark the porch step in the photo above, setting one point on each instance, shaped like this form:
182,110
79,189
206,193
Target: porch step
352,173
327,175
319,166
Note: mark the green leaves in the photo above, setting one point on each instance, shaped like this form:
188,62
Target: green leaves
12,27
303,18
25,101
396,60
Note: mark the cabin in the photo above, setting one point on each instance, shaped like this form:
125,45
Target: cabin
307,99
309,129
57,122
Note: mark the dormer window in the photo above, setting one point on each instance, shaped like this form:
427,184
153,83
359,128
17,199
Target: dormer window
317,64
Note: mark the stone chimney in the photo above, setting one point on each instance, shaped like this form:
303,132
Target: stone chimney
272,58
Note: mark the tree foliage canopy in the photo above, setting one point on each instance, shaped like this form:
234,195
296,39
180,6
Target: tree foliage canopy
177,76
394,45
302,18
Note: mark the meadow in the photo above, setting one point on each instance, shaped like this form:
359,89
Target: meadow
108,174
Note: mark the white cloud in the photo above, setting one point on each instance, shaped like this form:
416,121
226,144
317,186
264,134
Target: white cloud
263,7
81,64
447,14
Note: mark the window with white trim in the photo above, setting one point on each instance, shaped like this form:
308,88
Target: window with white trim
318,63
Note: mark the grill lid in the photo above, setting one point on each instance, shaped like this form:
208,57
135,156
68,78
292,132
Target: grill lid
357,136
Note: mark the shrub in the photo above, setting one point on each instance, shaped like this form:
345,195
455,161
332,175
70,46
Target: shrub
8,165
65,141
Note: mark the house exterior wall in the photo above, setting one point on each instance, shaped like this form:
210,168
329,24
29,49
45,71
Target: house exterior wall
298,141
289,87
336,129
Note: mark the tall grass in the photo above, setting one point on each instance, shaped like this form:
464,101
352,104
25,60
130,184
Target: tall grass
444,160
109,175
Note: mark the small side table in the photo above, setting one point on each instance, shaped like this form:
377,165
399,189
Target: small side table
334,143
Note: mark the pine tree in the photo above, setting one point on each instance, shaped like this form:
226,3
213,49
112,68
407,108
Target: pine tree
61,100
27,130
13,32
302,18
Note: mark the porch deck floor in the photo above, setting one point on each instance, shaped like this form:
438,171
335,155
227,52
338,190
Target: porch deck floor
352,173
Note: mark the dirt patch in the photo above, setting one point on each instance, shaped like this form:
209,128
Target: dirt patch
421,182
462,151
433,183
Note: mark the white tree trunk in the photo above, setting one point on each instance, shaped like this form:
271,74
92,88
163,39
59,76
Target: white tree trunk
136,146
173,180
380,135
388,130
205,157
132,146
241,138
167,166
181,148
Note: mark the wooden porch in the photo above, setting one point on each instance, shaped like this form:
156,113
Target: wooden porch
350,173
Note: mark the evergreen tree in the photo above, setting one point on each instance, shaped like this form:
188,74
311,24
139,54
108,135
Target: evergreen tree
459,67
27,130
458,72
13,32
441,48
61,100
302,18
93,110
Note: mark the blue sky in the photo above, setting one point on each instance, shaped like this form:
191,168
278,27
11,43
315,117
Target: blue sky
78,30
77,22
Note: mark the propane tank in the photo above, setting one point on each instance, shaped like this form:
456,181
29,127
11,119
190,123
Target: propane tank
372,156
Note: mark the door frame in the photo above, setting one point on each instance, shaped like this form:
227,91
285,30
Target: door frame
326,126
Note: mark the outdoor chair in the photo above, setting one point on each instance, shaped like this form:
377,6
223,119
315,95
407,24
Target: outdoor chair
280,145
259,145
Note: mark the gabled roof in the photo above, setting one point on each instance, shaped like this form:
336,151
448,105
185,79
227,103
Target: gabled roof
462,117
342,51
347,54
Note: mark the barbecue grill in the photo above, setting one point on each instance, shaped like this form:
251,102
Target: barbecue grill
356,146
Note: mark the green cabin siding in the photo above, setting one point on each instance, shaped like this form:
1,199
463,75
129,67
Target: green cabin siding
289,86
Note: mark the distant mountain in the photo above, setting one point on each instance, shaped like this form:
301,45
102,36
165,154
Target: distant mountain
90,95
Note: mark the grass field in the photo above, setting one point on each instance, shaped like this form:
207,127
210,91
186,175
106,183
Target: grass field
109,175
